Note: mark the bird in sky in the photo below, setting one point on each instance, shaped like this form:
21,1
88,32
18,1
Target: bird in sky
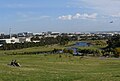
111,21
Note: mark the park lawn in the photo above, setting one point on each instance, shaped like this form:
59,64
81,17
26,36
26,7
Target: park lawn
59,68
31,49
36,49
46,48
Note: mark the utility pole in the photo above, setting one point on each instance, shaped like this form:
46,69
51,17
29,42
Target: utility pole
10,32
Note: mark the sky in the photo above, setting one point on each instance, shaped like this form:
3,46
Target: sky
59,15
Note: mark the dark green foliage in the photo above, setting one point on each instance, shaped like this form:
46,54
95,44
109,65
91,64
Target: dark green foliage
62,40
114,41
56,50
90,51
36,38
116,52
68,51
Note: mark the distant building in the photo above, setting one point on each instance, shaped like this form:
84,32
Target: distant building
25,34
15,40
24,39
10,40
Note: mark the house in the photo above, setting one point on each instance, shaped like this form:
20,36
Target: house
24,39
9,40
15,40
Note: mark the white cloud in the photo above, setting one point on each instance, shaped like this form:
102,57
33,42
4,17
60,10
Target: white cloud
65,17
106,7
78,16
116,15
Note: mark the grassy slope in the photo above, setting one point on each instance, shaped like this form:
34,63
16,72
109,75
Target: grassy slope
47,48
53,68
34,49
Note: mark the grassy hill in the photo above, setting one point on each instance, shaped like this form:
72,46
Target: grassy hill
55,68
35,49
32,49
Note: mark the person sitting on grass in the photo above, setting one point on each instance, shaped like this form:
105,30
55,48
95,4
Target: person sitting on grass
12,63
15,63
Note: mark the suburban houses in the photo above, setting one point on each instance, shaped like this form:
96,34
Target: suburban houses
26,36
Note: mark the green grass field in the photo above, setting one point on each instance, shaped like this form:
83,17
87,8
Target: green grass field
31,49
34,49
53,68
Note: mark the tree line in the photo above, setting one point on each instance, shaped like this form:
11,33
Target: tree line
61,40
113,48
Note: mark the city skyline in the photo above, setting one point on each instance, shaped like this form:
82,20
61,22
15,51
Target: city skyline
59,15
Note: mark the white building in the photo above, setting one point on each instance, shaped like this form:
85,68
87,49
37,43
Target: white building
11,40
15,40
24,39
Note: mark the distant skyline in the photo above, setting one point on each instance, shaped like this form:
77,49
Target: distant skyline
59,15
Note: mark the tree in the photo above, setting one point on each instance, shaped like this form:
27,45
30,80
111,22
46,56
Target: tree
114,41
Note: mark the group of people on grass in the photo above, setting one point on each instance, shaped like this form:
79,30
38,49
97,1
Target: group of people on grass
15,63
